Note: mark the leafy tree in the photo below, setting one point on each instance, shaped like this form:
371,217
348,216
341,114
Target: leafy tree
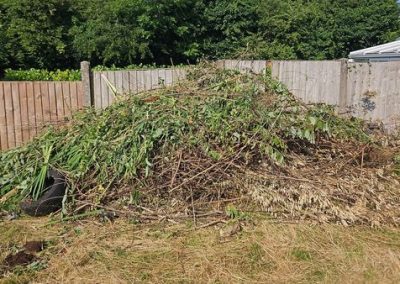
36,32
363,23
124,32
229,27
324,29
60,33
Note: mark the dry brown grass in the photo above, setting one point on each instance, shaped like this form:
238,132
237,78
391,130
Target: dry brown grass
264,251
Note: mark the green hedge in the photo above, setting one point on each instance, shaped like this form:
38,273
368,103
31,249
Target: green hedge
134,67
41,75
69,74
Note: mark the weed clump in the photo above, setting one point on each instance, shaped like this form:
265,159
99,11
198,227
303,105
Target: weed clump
196,141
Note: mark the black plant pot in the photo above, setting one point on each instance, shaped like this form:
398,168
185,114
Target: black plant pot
51,200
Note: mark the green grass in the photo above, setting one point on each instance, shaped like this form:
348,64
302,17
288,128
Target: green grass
301,254
265,252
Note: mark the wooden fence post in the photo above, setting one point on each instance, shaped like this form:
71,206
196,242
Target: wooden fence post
86,84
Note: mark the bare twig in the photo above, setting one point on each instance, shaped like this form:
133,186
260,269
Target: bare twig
211,224
176,170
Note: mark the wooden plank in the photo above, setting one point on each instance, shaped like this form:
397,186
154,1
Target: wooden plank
236,64
3,120
24,112
133,86
161,77
168,77
38,106
147,80
119,81
80,94
380,73
8,101
304,82
74,96
104,90
66,99
60,102
247,66
17,113
111,75
154,79
125,82
323,92
97,84
44,89
395,104
140,81
318,72
260,66
53,102
31,109
229,64
175,77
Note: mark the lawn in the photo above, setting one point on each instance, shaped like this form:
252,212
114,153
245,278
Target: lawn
263,250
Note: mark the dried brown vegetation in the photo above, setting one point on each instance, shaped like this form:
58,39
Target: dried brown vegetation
262,251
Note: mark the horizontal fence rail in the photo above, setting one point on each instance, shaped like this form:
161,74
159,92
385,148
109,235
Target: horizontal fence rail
27,107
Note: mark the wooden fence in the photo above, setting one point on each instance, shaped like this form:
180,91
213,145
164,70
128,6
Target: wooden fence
370,91
27,107
132,82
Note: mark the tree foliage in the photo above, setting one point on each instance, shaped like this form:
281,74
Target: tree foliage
60,33
36,32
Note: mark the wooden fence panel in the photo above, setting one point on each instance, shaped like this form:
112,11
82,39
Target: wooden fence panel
131,81
147,80
53,102
44,91
370,91
38,106
133,86
154,79
31,109
9,115
74,96
140,81
24,112
27,107
3,120
109,98
66,99
373,92
80,94
119,81
17,113
125,82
